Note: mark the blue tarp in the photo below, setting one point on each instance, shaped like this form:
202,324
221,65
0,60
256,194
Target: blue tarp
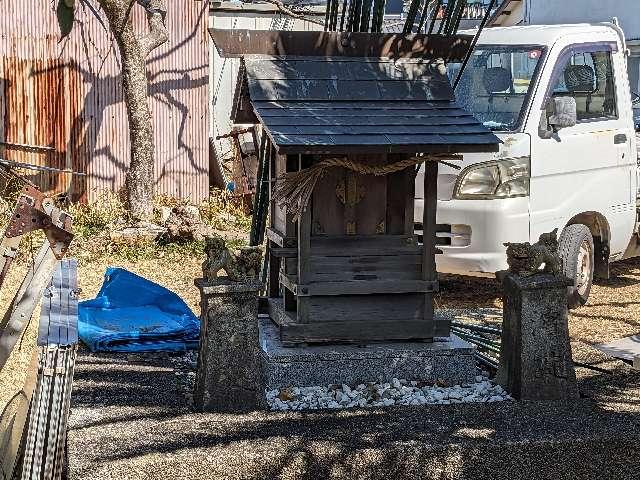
132,314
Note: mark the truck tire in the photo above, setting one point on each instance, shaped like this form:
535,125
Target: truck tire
576,251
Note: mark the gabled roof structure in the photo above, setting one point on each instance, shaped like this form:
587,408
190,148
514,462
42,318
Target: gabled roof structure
326,105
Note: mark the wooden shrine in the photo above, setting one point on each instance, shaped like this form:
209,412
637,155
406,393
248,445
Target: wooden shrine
347,135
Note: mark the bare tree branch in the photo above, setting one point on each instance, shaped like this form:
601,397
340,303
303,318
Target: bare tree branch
158,34
127,14
287,11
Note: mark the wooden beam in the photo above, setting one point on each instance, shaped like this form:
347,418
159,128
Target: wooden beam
304,256
273,287
429,273
239,42
280,239
453,148
284,252
357,287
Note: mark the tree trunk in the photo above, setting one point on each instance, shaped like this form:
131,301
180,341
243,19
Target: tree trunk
140,180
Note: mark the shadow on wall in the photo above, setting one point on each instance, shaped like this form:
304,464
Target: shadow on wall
33,111
80,105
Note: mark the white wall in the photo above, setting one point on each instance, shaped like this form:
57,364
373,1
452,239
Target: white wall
586,11
224,72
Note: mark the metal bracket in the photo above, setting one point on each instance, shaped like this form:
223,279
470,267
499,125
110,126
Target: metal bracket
33,211
31,214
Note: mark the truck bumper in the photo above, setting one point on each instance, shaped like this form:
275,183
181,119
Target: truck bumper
474,232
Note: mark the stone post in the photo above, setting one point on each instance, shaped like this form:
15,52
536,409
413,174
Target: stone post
229,376
535,353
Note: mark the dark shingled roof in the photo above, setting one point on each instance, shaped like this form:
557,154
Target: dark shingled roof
342,105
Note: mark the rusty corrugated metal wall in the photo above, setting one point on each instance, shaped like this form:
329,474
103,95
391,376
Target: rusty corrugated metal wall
68,95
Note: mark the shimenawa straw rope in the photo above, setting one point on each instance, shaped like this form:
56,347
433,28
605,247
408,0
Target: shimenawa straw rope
293,190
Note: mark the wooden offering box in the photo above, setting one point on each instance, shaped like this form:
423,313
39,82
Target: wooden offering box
349,267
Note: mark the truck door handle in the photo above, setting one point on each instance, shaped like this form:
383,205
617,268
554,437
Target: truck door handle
619,138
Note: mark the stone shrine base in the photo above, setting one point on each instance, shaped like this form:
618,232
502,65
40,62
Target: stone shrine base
449,360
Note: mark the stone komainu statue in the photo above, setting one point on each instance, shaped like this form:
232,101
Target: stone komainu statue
242,267
525,259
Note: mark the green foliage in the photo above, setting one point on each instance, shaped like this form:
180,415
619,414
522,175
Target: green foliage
91,219
65,13
221,212
9,193
6,210
94,223
142,249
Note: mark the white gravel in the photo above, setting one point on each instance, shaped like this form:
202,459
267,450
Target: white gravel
397,392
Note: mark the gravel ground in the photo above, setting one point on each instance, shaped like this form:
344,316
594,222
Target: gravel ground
131,420
131,416
164,271
374,394
612,312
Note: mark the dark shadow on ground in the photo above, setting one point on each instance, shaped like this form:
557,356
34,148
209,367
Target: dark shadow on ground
457,291
141,401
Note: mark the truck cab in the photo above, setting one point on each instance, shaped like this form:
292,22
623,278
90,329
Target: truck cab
559,99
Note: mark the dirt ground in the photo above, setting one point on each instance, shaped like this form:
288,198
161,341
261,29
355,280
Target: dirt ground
613,310
130,418
175,273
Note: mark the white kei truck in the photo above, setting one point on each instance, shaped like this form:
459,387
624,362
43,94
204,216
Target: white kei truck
559,99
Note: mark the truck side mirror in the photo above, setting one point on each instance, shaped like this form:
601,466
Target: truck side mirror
559,112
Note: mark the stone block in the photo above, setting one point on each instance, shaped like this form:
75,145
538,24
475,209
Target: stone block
449,359
535,356
228,377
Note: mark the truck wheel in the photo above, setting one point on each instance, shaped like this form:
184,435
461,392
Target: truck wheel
576,250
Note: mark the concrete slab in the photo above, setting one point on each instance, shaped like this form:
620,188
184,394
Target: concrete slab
448,359
627,348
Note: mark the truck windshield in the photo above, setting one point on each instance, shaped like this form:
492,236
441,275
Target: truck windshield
496,82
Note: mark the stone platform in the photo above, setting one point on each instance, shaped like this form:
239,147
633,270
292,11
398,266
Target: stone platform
448,359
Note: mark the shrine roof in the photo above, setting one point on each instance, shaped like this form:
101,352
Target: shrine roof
333,105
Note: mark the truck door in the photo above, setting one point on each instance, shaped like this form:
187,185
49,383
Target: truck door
587,167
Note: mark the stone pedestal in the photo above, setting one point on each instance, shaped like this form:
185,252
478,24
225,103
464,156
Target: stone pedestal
229,376
448,359
535,354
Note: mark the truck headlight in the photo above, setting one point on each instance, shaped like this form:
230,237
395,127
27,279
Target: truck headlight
497,179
